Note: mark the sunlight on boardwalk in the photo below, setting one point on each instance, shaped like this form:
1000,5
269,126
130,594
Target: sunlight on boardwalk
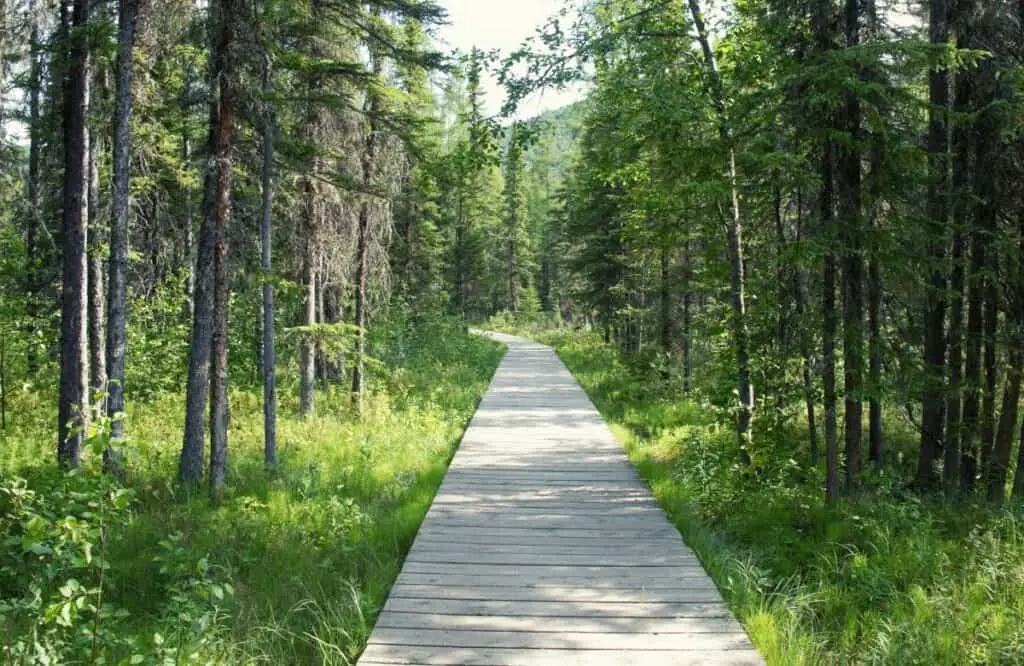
544,546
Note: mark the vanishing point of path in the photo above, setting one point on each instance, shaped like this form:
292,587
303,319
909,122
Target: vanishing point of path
544,546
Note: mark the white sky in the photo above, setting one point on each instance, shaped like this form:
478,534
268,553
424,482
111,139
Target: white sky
502,24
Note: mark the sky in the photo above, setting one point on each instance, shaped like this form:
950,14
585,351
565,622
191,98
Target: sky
502,24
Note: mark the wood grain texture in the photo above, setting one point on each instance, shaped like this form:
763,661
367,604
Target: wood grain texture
544,546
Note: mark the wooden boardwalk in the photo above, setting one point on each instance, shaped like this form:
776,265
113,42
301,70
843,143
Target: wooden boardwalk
544,546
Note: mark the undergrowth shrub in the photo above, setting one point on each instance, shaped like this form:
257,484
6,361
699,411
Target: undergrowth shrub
889,577
291,568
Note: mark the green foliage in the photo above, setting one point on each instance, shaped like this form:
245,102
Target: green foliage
889,578
291,568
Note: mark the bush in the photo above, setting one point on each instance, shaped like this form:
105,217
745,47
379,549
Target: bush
888,578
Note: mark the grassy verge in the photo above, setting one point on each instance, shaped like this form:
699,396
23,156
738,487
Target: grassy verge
888,579
290,569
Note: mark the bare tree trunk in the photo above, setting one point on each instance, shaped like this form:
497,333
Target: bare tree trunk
988,395
957,460
999,467
687,326
982,295
988,129
823,35
266,264
876,444
307,361
362,243
737,280
935,313
190,244
74,361
781,297
972,364
1018,477
34,157
118,272
97,312
665,303
853,267
224,55
951,465
828,338
190,465
360,306
321,315
800,305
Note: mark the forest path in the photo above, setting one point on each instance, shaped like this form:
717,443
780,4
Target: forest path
544,546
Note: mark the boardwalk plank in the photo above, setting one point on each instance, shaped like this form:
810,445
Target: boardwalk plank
445,656
629,625
545,547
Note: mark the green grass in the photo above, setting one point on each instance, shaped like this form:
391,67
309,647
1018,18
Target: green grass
891,578
290,569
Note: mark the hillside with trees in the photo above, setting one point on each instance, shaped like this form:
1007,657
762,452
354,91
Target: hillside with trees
241,247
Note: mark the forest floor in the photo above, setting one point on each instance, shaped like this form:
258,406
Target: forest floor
290,569
888,578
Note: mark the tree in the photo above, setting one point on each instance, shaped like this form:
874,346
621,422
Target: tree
73,403
266,264
117,278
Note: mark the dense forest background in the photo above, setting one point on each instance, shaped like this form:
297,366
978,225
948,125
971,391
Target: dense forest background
241,245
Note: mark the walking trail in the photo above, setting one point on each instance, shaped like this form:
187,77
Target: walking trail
544,546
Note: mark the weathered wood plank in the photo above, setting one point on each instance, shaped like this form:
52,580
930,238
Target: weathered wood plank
593,609
462,638
544,546
624,580
387,654
699,592
628,625
515,570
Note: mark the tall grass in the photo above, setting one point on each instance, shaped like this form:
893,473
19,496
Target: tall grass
888,578
294,565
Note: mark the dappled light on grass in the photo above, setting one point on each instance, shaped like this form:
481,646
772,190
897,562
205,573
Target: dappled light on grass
888,579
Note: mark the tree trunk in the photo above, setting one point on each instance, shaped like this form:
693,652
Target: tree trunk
665,303
800,297
33,223
823,35
958,468
190,244
972,365
687,325
190,465
363,240
781,295
990,316
224,55
876,444
97,311
74,362
982,294
1018,477
828,338
266,264
307,361
118,272
988,130
852,266
935,313
737,281
998,469
360,306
